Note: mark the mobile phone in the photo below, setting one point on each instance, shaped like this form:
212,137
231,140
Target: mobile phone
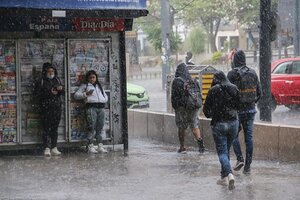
91,91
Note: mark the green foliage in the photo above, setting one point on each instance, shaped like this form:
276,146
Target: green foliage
196,41
154,36
152,27
216,57
206,13
248,12
175,42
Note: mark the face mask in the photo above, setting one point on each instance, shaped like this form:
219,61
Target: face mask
50,76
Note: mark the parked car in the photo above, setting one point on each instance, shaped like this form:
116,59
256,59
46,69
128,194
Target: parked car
285,83
137,96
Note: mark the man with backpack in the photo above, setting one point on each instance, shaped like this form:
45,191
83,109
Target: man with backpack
186,100
247,82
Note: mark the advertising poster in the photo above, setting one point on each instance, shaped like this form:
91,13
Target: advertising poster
85,55
33,54
8,98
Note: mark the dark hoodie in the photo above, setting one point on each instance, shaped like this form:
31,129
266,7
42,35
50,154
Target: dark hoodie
222,100
239,60
48,99
178,91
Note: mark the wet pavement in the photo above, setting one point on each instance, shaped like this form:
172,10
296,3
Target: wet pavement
151,170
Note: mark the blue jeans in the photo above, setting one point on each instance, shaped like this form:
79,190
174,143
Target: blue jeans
224,133
246,120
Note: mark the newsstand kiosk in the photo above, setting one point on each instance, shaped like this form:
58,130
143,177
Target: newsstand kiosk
75,36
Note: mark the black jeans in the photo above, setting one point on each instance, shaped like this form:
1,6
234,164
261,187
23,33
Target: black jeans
50,122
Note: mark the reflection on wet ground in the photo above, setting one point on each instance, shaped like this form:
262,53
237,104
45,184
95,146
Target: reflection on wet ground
150,171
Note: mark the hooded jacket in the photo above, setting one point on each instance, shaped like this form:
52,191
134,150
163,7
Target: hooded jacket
47,99
178,92
98,95
222,100
239,61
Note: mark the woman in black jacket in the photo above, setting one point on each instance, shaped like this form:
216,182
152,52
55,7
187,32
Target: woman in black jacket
221,105
51,107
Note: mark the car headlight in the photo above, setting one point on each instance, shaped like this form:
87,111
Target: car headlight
141,95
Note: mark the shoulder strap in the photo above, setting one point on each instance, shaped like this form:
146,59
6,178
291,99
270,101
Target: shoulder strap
58,80
180,79
101,89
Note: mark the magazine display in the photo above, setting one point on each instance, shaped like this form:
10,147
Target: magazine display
85,55
8,98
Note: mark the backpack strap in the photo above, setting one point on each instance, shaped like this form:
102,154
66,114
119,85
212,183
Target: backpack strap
58,80
181,79
100,86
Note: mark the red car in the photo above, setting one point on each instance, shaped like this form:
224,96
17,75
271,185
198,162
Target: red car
285,83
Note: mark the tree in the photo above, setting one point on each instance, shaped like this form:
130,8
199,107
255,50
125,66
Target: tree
247,15
197,34
208,13
151,26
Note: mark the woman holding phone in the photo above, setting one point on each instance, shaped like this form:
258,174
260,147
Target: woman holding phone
95,99
49,89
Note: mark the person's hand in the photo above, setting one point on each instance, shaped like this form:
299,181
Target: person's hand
186,85
89,93
59,88
54,91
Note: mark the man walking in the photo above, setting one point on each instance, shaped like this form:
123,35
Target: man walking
184,117
247,81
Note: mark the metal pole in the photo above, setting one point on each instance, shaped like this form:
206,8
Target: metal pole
165,31
265,61
296,28
124,122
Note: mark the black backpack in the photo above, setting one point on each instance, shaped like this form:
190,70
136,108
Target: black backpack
193,98
247,81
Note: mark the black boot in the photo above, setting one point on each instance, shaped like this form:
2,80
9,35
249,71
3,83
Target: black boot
201,145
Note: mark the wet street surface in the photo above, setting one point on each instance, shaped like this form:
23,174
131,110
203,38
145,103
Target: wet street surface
151,170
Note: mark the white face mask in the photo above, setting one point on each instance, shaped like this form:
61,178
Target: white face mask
50,76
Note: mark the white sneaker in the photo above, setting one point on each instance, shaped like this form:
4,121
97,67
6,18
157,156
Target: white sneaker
223,181
101,148
47,152
91,149
238,165
55,152
231,181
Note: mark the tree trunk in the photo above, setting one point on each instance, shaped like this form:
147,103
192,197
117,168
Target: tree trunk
212,38
215,34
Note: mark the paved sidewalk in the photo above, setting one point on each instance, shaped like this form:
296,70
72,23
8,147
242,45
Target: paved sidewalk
151,171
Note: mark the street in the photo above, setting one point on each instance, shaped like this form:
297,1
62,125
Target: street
150,171
281,115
